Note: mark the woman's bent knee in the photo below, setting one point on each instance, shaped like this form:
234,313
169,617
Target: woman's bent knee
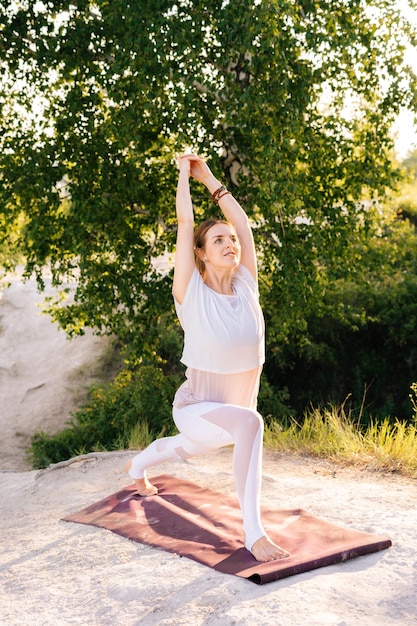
253,419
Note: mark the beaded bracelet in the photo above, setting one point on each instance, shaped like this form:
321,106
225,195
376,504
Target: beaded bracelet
219,193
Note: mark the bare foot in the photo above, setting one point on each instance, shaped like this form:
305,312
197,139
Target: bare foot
265,550
143,486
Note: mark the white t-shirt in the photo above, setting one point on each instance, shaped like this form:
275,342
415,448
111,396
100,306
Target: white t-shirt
222,334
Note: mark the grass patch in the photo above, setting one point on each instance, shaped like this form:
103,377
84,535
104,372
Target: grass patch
141,436
129,412
136,408
330,433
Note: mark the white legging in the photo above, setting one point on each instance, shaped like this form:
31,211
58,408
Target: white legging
207,426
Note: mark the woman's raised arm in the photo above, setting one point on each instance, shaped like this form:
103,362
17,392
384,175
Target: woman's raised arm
184,254
231,209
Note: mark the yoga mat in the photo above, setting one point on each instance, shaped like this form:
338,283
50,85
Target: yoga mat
206,526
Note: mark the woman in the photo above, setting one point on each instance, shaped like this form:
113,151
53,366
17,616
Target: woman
216,299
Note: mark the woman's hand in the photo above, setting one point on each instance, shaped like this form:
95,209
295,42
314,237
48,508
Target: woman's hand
196,167
199,169
183,163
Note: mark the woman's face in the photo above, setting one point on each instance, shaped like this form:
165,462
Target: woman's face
222,247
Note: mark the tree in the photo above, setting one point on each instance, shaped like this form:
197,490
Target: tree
293,100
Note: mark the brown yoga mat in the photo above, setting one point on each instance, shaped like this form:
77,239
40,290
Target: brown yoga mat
206,526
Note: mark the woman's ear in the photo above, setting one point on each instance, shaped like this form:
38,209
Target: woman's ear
200,254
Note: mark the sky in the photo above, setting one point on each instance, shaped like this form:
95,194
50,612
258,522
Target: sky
406,135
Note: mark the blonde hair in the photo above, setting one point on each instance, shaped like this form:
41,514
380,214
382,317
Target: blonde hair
200,239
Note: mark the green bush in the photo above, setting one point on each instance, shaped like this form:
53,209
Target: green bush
110,416
272,403
364,349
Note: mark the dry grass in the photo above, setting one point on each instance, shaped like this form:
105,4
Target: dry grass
330,433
